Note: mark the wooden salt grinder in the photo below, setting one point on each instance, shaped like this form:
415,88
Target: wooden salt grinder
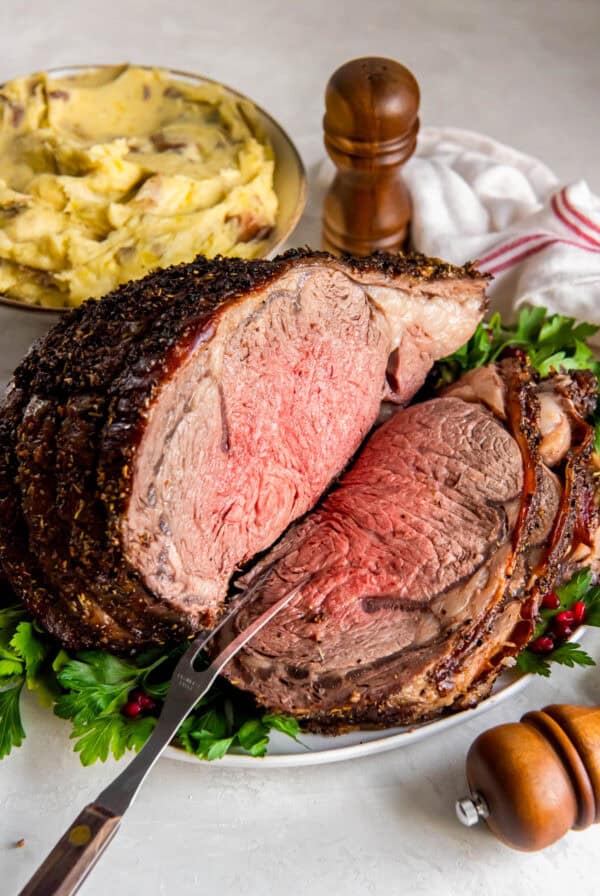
534,780
371,125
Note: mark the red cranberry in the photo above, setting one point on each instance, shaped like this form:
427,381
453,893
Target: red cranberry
543,644
563,623
132,709
146,702
551,601
566,617
579,611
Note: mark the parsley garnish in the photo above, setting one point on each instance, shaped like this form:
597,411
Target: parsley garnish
552,342
108,734
571,654
11,727
212,733
527,661
31,649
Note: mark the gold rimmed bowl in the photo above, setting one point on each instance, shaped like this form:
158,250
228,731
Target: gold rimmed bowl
289,178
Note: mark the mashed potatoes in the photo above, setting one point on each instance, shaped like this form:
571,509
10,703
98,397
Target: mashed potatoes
109,174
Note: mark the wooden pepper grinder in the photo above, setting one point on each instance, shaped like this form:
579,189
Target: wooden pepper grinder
371,125
534,780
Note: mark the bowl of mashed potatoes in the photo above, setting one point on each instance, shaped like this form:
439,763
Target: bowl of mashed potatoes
109,172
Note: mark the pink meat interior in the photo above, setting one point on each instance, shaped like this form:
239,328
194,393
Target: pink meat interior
400,554
248,433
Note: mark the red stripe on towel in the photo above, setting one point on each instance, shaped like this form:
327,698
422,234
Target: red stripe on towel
503,266
507,247
521,257
563,218
575,211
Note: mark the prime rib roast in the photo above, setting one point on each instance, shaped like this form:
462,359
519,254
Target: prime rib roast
424,566
157,440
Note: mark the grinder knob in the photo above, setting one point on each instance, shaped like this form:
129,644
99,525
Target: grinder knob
534,780
371,125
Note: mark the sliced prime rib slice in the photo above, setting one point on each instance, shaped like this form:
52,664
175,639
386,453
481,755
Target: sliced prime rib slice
427,561
159,438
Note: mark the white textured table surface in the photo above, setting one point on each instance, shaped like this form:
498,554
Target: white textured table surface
529,75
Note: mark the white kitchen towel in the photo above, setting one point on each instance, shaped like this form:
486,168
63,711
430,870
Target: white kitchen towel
475,199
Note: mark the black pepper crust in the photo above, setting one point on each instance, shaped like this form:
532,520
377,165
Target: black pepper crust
72,419
412,264
88,346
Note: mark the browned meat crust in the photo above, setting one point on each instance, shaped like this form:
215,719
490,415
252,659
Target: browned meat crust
413,264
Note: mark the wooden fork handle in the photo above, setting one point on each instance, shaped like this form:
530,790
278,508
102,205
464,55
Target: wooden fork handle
75,854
